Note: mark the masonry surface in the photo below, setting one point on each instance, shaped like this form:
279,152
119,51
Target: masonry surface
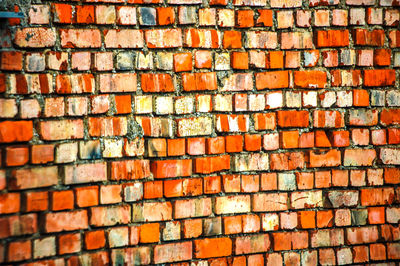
190,132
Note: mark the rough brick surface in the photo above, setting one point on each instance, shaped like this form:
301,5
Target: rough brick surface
190,132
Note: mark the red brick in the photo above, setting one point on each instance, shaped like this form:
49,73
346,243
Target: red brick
123,104
150,233
252,244
66,221
18,251
264,121
87,196
265,18
321,139
232,40
16,131
95,239
84,14
11,60
272,80
165,15
62,13
325,158
171,168
195,146
42,154
17,156
163,38
369,38
240,60
199,81
182,62
156,82
212,184
379,77
33,177
130,170
324,219
36,201
252,142
293,118
62,200
310,79
122,38
213,247
9,203
287,161
153,189
333,38
234,143
208,165
69,243
244,18
176,147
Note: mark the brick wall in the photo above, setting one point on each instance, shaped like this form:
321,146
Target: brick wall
214,132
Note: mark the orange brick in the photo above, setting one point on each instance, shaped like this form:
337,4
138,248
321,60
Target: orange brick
240,60
182,62
62,200
150,233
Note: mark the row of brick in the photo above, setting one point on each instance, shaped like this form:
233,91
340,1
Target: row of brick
160,147
192,82
144,212
212,247
197,38
184,15
199,126
130,192
203,59
181,105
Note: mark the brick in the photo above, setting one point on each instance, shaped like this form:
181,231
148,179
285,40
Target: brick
379,77
36,201
352,157
272,80
232,204
130,169
126,15
95,239
293,119
301,200
20,250
252,244
296,40
131,255
208,165
332,38
82,38
34,177
108,216
173,252
171,168
62,13
192,208
44,247
213,247
163,38
310,79
269,202
69,243
376,196
261,39
35,37
66,221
